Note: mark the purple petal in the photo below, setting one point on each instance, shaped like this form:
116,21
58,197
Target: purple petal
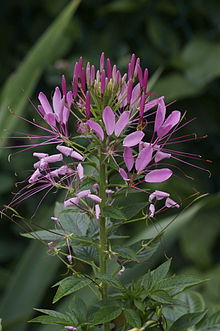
133,139
151,210
128,158
76,155
108,117
97,211
88,106
50,119
160,115
45,103
136,93
122,123
161,155
123,174
158,195
35,176
152,104
158,175
41,110
53,158
57,100
64,150
64,170
95,198
171,203
102,61
143,158
83,194
80,171
42,164
172,120
97,128
65,115
40,155
71,202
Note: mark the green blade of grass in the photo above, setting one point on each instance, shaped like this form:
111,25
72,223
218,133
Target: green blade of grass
20,85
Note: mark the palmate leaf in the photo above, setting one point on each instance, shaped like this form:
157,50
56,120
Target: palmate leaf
27,75
70,285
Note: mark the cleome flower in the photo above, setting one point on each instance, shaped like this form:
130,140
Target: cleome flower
117,116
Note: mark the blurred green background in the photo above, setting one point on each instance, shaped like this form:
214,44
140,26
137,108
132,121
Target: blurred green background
176,39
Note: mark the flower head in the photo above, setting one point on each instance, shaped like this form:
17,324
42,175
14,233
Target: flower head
118,117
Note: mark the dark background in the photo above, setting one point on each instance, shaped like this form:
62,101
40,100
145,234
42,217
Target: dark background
180,42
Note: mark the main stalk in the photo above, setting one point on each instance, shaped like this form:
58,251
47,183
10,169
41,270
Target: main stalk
103,245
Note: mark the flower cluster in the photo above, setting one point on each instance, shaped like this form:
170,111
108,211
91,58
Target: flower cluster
117,115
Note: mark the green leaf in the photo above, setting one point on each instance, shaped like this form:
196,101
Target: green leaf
79,309
194,301
177,284
147,281
187,321
161,296
133,209
146,251
110,280
106,314
19,86
140,305
113,213
70,285
126,253
45,319
161,272
34,274
54,317
45,235
132,318
75,222
210,323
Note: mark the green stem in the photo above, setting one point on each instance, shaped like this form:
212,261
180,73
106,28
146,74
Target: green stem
102,229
